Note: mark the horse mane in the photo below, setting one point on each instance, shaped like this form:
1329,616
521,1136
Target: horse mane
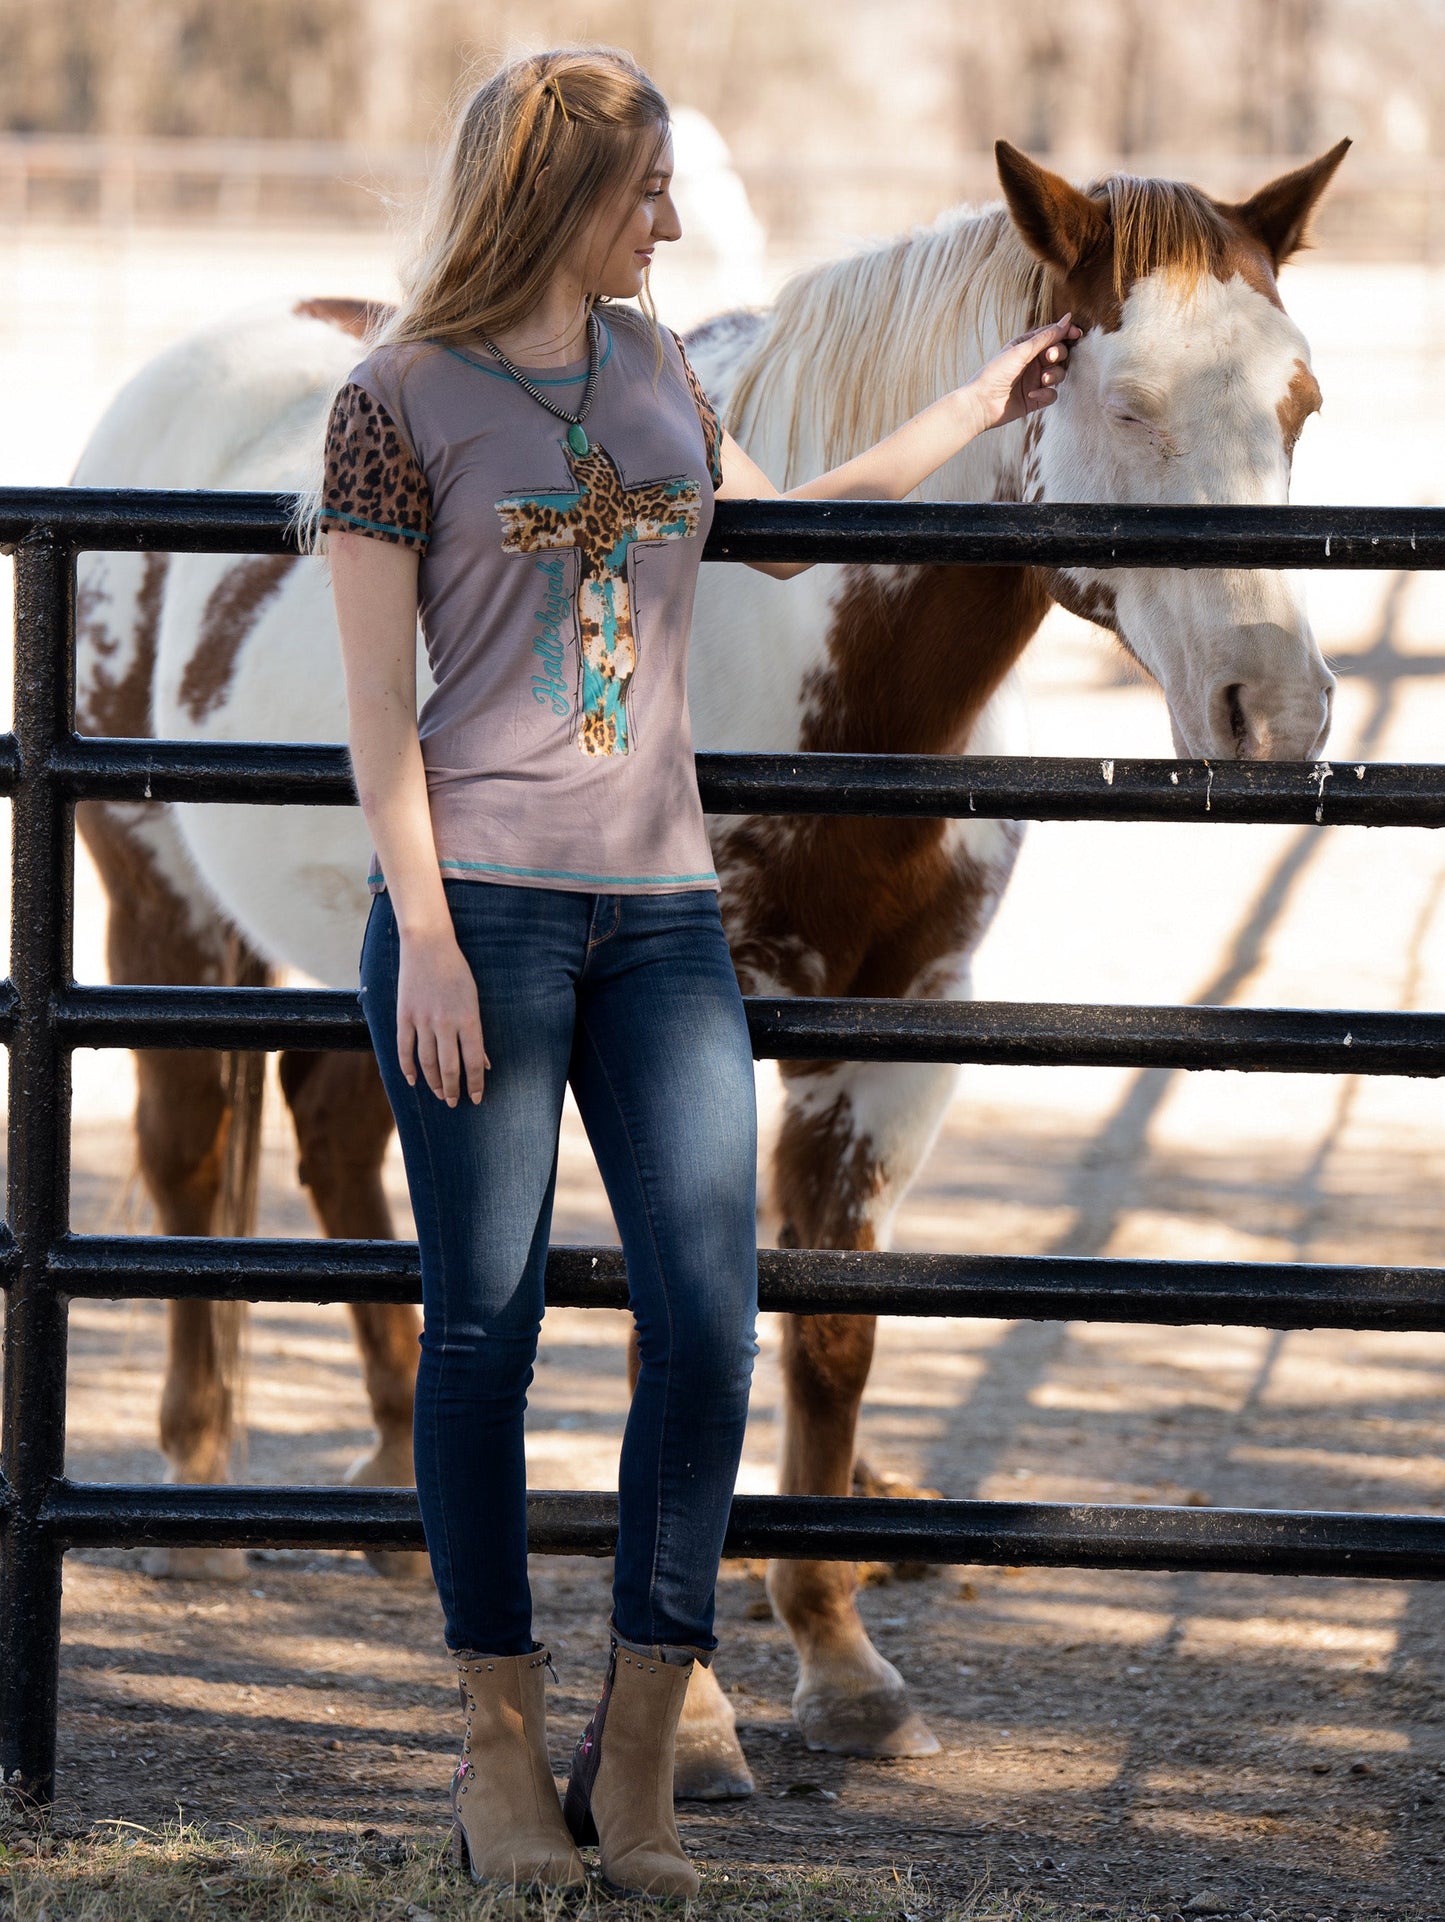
856,346
1162,223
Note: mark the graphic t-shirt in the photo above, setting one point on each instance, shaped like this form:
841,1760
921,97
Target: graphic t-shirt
555,595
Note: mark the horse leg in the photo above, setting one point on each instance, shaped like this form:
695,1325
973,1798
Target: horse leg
709,1764
158,934
851,1139
181,1124
343,1124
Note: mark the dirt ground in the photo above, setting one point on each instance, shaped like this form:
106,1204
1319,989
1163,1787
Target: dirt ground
1136,1744
1145,1740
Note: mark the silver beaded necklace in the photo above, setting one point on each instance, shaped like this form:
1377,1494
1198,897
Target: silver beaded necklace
576,434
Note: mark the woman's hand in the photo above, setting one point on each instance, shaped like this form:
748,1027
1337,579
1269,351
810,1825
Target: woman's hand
1024,376
438,1021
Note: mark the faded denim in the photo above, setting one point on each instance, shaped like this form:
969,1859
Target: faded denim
633,999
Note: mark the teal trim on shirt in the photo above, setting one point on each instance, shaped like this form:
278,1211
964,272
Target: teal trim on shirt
377,527
376,879
566,874
537,380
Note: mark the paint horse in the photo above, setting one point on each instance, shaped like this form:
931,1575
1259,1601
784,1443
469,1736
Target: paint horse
1190,384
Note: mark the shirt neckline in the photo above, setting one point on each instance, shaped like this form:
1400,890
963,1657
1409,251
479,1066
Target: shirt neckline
566,377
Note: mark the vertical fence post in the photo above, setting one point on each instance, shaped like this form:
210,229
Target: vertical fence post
32,1435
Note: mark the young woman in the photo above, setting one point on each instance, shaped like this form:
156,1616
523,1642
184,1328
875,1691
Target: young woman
531,469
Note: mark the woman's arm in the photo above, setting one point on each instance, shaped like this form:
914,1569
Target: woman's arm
1022,378
438,1022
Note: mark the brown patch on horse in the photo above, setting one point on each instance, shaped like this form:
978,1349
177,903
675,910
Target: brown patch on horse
840,905
120,704
1302,399
359,318
1090,600
231,611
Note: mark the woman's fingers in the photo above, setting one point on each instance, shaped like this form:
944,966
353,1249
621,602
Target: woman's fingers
449,1063
428,1060
406,1047
474,1058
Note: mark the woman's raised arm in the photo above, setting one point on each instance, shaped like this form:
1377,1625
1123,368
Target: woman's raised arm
1020,379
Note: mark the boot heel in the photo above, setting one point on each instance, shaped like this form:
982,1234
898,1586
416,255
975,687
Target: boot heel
577,1814
460,1858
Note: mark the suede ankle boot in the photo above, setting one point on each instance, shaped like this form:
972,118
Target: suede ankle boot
507,1820
619,1794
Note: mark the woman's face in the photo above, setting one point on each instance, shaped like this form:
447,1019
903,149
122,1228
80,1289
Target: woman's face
618,246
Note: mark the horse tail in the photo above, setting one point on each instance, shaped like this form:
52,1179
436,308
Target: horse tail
243,1078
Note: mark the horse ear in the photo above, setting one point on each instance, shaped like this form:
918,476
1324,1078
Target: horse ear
1279,213
1057,222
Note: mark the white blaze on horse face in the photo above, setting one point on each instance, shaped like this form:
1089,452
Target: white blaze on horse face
1182,404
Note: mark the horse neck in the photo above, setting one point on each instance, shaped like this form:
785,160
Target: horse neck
855,348
914,656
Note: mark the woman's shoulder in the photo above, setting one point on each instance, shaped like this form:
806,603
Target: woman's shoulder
391,365
637,336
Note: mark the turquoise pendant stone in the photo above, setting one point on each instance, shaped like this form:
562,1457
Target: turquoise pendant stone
577,439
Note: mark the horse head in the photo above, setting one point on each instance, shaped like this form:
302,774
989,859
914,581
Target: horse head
1189,387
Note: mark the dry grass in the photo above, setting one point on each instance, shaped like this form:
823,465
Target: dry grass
121,1872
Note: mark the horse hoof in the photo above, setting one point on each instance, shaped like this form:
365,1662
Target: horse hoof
877,1722
708,1765
195,1564
389,1466
400,1565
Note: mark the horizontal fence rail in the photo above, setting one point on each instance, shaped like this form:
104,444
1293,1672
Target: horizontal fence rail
1020,1033
920,786
46,768
809,1527
798,1281
987,534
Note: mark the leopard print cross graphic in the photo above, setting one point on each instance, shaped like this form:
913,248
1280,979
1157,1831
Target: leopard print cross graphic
603,520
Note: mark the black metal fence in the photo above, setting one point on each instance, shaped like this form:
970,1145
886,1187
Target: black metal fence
45,767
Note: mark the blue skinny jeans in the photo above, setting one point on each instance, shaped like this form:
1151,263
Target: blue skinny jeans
633,999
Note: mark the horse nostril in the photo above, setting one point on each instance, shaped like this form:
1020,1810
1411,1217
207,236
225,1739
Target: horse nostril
1234,704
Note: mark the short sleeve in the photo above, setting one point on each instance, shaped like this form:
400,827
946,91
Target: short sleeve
373,484
707,414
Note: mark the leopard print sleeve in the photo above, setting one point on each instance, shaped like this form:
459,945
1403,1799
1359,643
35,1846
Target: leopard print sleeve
373,484
707,414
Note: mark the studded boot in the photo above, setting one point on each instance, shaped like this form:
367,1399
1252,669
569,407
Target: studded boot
507,1822
619,1794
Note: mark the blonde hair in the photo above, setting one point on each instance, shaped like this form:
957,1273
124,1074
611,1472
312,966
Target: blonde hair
495,230
1161,223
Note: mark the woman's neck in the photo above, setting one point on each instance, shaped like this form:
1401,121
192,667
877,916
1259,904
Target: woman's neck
554,334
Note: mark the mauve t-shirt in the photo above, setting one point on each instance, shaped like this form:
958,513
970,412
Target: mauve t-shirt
555,596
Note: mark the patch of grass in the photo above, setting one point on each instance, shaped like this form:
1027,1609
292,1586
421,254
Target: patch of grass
182,1872
120,1872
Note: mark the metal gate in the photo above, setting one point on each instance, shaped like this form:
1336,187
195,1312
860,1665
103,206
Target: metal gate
45,767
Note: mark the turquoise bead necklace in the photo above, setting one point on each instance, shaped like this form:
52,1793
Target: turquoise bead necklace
576,433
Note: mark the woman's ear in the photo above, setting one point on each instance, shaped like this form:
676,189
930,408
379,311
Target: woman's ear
542,173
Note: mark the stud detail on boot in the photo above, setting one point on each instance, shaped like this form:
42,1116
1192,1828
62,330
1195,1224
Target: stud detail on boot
507,1822
619,1794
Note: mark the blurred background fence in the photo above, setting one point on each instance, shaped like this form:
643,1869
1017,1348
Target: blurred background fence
322,111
